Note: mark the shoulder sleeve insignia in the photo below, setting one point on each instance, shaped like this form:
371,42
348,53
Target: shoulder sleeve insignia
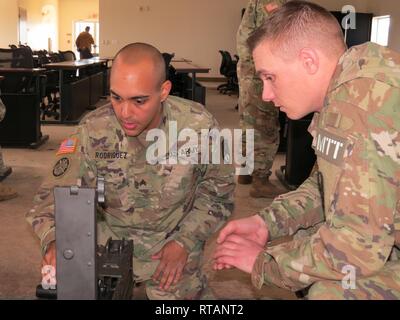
68,146
270,7
61,167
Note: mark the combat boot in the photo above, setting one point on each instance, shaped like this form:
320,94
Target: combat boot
5,172
245,179
263,188
7,193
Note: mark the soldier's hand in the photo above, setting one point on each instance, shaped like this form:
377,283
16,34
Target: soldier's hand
49,258
252,228
238,252
173,258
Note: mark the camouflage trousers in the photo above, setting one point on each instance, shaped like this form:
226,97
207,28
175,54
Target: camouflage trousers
2,110
191,286
2,165
385,285
2,114
263,117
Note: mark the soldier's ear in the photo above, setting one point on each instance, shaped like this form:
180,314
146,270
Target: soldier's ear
310,60
165,90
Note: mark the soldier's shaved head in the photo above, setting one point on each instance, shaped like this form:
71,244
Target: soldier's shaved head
299,24
139,53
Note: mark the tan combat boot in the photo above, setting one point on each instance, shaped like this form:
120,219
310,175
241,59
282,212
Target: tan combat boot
7,193
263,188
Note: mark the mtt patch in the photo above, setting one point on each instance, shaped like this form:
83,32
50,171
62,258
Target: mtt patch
329,146
61,167
68,146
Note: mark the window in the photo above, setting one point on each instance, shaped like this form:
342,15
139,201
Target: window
380,30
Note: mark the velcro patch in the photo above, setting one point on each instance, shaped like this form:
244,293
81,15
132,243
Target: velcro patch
68,146
270,7
61,167
329,146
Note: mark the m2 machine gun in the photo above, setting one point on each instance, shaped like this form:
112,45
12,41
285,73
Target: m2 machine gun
85,270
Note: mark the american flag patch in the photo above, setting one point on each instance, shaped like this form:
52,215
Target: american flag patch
68,146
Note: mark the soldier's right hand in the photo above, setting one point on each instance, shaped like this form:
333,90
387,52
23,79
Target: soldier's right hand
49,258
252,228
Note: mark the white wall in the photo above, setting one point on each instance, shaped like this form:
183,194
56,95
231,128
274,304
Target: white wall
42,23
71,11
8,23
194,29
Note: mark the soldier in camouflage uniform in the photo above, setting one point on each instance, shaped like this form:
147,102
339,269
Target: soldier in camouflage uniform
168,210
350,208
6,193
254,112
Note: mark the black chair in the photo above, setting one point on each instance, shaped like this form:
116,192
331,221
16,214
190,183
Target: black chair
6,58
67,55
51,102
229,70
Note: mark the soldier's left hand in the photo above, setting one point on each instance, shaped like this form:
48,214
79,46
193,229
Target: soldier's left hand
173,259
238,252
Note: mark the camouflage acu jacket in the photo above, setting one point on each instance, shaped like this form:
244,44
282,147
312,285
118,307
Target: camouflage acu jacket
150,204
357,142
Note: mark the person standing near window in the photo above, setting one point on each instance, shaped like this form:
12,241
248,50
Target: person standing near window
84,44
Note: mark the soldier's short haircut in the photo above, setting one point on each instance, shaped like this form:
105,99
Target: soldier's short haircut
298,24
134,52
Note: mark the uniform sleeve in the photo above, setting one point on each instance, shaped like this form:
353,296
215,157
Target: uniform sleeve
211,205
359,230
246,28
69,169
289,212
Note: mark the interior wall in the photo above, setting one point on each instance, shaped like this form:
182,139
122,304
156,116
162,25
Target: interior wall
8,23
378,8
42,23
71,11
190,28
392,8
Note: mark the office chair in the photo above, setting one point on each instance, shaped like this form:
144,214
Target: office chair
67,55
50,104
229,70
6,57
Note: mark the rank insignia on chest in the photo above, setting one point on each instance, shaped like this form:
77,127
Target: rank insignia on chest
68,146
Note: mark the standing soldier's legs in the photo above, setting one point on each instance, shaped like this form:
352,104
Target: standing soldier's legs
385,285
263,118
6,193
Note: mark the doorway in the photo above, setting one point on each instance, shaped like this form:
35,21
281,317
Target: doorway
79,26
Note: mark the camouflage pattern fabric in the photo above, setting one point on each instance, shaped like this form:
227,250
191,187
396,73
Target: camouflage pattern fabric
150,204
2,110
355,194
254,112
